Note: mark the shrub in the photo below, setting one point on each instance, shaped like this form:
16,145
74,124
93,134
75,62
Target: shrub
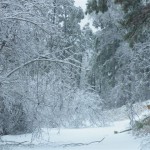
143,126
13,120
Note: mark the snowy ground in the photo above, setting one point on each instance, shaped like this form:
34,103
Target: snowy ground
59,140
78,139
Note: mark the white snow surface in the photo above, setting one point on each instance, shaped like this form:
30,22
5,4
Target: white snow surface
80,139
58,140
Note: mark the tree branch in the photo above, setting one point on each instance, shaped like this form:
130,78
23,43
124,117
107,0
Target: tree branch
22,19
44,59
11,4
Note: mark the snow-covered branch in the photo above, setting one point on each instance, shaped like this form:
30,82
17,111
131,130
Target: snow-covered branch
35,60
22,19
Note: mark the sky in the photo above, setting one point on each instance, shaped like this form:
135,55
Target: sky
82,4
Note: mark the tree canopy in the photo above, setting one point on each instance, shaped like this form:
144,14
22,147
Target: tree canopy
136,16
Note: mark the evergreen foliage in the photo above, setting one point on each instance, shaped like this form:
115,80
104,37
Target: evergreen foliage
136,18
117,72
97,6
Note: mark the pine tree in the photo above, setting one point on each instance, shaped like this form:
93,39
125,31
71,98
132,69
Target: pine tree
136,17
97,6
136,20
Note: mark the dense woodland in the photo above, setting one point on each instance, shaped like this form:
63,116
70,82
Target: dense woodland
55,74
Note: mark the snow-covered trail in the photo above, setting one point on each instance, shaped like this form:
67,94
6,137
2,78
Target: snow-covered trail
52,140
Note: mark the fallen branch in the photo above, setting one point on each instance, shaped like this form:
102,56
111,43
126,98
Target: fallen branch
13,142
116,132
81,144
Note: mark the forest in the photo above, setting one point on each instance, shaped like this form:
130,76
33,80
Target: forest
56,75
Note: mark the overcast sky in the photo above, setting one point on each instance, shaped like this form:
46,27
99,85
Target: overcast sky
82,4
